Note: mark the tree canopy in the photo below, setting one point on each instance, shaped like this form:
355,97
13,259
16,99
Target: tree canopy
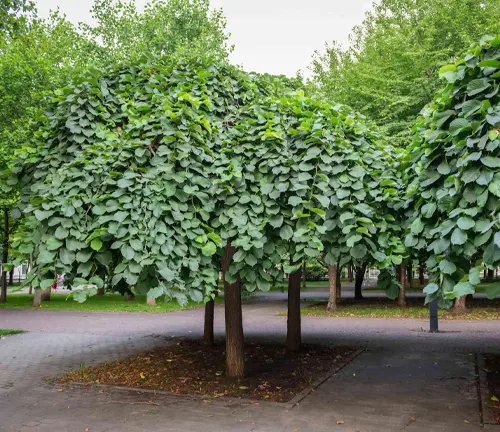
453,175
143,173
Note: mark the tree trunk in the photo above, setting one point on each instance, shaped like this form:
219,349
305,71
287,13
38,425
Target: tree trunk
45,294
409,271
151,301
293,324
208,331
304,270
235,364
421,275
37,298
11,277
129,296
460,305
332,282
350,275
360,276
5,255
401,269
491,275
100,291
339,283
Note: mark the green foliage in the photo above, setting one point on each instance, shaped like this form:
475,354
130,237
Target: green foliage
453,175
144,173
164,27
15,17
316,271
390,70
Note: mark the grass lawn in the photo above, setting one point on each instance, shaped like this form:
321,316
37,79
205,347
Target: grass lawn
5,332
384,308
110,302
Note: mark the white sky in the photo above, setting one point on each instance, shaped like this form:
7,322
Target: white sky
274,36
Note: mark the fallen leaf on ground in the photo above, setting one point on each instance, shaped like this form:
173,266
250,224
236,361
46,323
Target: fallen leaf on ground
494,398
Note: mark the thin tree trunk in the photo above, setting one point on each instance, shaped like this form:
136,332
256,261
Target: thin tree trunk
100,291
358,285
491,275
208,331
460,305
235,364
5,255
350,274
332,282
293,323
37,298
11,277
304,270
409,271
45,295
421,277
339,283
402,280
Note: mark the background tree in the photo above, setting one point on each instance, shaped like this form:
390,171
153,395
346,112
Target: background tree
389,72
165,27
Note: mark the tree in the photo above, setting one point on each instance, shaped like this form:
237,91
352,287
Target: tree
15,17
165,27
453,176
389,72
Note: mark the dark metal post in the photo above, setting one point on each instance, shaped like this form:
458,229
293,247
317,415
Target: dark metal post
433,308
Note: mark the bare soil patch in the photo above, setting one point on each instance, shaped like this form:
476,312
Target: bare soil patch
187,367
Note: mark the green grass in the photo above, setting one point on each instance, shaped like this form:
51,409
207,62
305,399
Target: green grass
384,308
5,332
110,302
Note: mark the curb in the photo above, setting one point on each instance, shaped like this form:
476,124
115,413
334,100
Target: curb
486,413
297,399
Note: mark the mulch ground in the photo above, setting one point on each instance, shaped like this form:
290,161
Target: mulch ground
189,368
492,369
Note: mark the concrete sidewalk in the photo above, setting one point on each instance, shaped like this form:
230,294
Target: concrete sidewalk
406,379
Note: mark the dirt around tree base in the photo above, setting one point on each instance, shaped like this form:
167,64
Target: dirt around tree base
188,367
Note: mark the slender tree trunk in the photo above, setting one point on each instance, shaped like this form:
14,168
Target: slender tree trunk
402,280
421,277
11,277
339,283
5,255
208,331
293,324
304,270
409,270
235,364
100,291
491,275
350,274
37,298
332,282
460,305
45,295
358,285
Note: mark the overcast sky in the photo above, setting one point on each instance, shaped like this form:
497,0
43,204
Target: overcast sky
274,36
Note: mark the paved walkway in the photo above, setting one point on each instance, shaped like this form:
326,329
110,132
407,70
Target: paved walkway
406,380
